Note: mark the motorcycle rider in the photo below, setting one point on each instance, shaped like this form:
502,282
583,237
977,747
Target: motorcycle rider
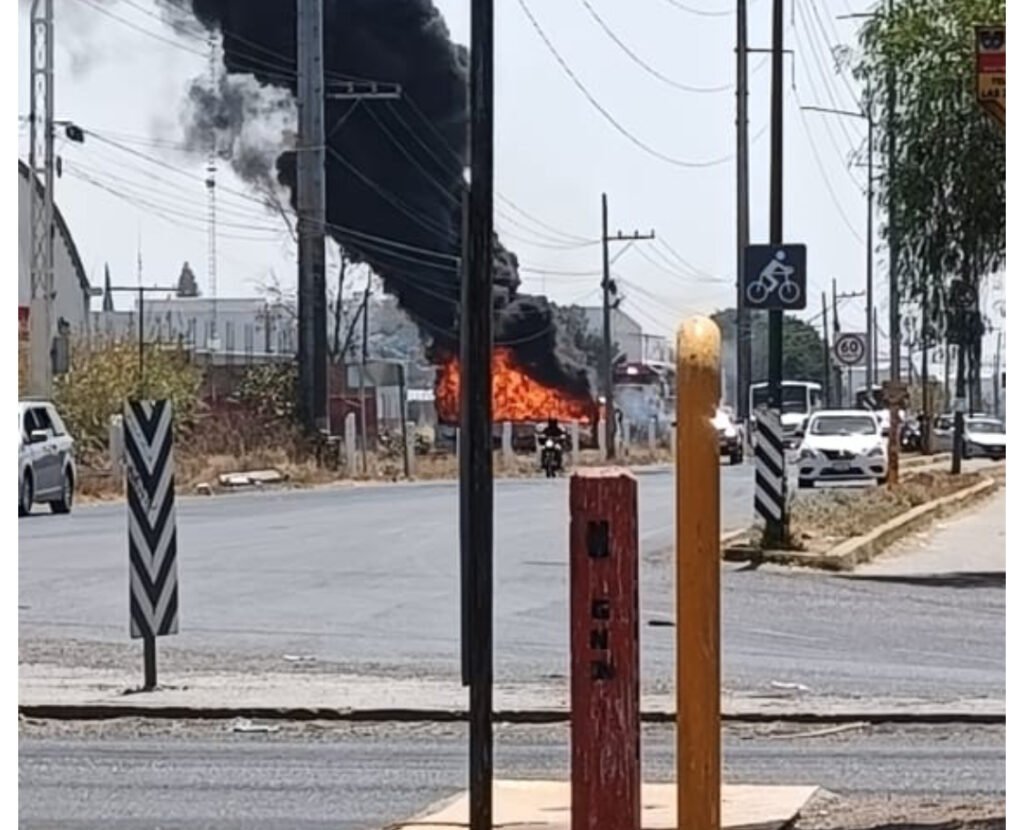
554,432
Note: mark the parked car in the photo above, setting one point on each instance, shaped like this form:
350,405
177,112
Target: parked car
984,437
842,445
46,461
730,438
942,433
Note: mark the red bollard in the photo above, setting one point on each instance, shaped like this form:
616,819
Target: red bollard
605,647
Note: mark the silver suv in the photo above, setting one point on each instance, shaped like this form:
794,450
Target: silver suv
46,462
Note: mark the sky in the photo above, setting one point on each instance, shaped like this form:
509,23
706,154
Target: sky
124,74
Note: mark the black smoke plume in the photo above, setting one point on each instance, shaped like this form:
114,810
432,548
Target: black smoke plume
395,169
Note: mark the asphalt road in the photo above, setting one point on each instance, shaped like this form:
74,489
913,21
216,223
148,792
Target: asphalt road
350,777
368,578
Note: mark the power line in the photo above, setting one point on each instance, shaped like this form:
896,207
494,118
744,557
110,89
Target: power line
647,148
639,61
824,174
699,12
835,34
825,74
142,29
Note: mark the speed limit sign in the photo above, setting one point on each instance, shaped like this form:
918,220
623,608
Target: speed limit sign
850,349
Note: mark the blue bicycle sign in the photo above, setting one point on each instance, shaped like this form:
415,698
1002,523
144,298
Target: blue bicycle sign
775,277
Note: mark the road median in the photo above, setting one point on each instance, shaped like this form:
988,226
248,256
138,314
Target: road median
825,532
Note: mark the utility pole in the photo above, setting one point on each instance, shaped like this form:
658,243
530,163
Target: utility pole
996,374
836,329
828,358
872,347
874,350
362,369
776,530
894,228
743,345
311,199
607,304
476,464
40,163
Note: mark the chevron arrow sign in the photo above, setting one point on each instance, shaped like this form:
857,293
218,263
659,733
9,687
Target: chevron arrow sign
152,531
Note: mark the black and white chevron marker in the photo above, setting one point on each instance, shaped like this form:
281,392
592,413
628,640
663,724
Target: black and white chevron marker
152,531
769,467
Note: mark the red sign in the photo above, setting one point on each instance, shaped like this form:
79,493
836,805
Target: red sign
604,622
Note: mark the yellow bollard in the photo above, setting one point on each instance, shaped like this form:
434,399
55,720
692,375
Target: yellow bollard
698,672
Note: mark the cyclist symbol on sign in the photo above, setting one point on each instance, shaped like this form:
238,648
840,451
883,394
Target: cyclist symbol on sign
775,275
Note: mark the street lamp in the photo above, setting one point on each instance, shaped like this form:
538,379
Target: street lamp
865,115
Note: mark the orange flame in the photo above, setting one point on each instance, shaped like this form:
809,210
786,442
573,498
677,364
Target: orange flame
515,395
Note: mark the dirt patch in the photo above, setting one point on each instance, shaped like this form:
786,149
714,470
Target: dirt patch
194,470
821,519
832,812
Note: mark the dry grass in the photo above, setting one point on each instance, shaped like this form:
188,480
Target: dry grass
195,468
822,518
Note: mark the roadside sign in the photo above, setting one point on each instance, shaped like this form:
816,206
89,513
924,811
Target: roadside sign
851,349
990,70
152,528
775,277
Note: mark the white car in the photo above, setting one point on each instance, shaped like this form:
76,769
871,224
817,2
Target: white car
984,437
730,438
842,445
46,462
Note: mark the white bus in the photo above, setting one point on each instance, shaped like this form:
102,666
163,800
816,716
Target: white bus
799,399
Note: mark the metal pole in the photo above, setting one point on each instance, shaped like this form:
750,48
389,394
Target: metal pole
835,329
894,239
403,406
870,296
606,357
476,462
149,663
743,345
41,209
698,575
142,344
825,350
312,207
362,373
776,530
958,422
996,371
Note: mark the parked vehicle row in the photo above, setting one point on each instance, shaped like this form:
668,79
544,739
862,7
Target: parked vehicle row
842,445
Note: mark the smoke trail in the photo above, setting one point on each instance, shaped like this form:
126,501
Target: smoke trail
395,170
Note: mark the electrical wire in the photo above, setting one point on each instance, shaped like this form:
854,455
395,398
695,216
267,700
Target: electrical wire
143,30
643,64
824,175
700,12
647,148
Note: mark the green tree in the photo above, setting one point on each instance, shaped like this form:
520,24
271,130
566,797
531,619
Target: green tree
947,185
187,285
103,375
803,355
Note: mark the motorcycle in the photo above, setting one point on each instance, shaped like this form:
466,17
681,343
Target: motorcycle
550,457
910,437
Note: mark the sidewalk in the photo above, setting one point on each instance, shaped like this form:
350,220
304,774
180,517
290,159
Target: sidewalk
47,690
970,543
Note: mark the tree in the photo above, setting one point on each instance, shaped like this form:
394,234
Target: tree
947,186
187,285
803,352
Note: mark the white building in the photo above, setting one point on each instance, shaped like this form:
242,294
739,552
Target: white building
626,332
70,283
247,326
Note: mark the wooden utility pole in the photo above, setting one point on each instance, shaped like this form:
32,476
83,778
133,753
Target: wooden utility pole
476,470
607,304
311,200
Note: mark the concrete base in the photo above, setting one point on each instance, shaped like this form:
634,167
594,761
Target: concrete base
544,805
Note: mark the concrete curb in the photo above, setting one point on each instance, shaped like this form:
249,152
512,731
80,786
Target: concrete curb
97,712
855,551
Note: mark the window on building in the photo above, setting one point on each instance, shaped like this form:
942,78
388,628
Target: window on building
229,336
249,338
